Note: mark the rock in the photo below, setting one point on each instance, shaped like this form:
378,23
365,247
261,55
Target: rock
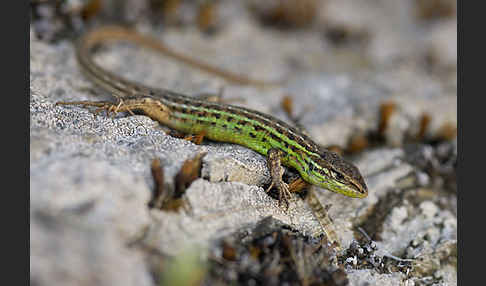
367,277
65,249
221,165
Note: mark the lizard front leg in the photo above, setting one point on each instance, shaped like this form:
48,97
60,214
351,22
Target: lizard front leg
276,172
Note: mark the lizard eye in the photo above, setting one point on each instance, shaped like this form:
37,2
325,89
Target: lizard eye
339,176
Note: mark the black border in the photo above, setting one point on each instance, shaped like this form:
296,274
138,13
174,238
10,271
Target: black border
470,166
15,123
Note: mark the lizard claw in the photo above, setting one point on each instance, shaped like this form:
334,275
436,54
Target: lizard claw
283,194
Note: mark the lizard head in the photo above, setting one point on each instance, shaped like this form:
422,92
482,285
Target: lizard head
332,172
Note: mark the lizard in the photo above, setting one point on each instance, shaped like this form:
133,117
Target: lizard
282,144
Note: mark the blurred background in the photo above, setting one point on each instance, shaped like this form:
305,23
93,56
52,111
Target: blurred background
358,33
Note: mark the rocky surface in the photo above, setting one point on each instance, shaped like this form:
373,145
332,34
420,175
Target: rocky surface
90,174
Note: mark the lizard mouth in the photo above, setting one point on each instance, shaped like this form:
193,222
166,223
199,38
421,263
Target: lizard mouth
362,191
348,189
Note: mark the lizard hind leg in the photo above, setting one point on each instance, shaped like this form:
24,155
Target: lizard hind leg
109,107
196,138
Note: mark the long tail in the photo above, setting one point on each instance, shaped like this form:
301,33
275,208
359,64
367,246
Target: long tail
118,33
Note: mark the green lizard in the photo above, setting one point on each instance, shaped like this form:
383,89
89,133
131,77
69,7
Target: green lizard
269,136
